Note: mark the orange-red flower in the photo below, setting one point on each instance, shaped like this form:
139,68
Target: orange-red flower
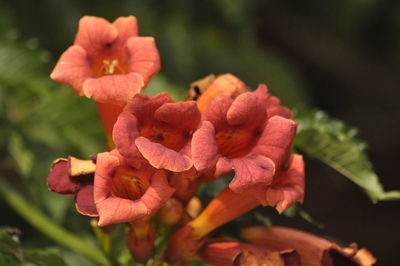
157,130
237,134
225,207
314,250
73,176
108,62
141,237
123,193
238,253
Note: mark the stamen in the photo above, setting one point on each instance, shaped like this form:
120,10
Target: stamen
109,67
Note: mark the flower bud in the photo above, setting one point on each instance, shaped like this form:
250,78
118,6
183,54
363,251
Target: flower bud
141,239
171,213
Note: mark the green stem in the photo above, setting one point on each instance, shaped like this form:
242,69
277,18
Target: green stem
47,227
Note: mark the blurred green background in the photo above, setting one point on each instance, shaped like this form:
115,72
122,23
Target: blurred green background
340,56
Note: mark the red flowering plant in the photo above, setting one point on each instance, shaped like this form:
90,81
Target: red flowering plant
176,172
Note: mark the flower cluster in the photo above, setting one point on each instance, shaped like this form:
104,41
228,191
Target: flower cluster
162,151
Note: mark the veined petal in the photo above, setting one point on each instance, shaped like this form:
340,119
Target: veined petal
288,186
73,68
59,179
144,57
160,156
158,193
127,27
246,109
204,147
251,171
187,113
115,89
314,250
124,134
217,110
276,139
94,34
84,200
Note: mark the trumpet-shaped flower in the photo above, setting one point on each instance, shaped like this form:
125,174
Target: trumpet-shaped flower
237,134
123,193
141,237
157,130
237,253
226,206
73,176
108,62
314,250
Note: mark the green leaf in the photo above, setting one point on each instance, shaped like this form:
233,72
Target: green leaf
337,145
11,252
46,257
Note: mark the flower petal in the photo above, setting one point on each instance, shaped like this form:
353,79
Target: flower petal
115,89
127,27
143,106
158,193
94,34
144,57
73,68
160,156
187,112
84,200
59,179
313,250
276,139
246,109
204,147
124,134
217,110
288,186
250,172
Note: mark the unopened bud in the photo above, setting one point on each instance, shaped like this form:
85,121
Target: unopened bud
193,207
171,213
141,239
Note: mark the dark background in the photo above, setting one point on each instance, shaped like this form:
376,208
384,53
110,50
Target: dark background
340,56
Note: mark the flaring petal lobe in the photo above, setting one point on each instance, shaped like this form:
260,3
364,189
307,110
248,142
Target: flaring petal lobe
250,172
187,112
144,57
124,134
73,68
115,89
217,110
127,27
160,156
94,34
276,139
288,186
84,201
246,109
204,147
